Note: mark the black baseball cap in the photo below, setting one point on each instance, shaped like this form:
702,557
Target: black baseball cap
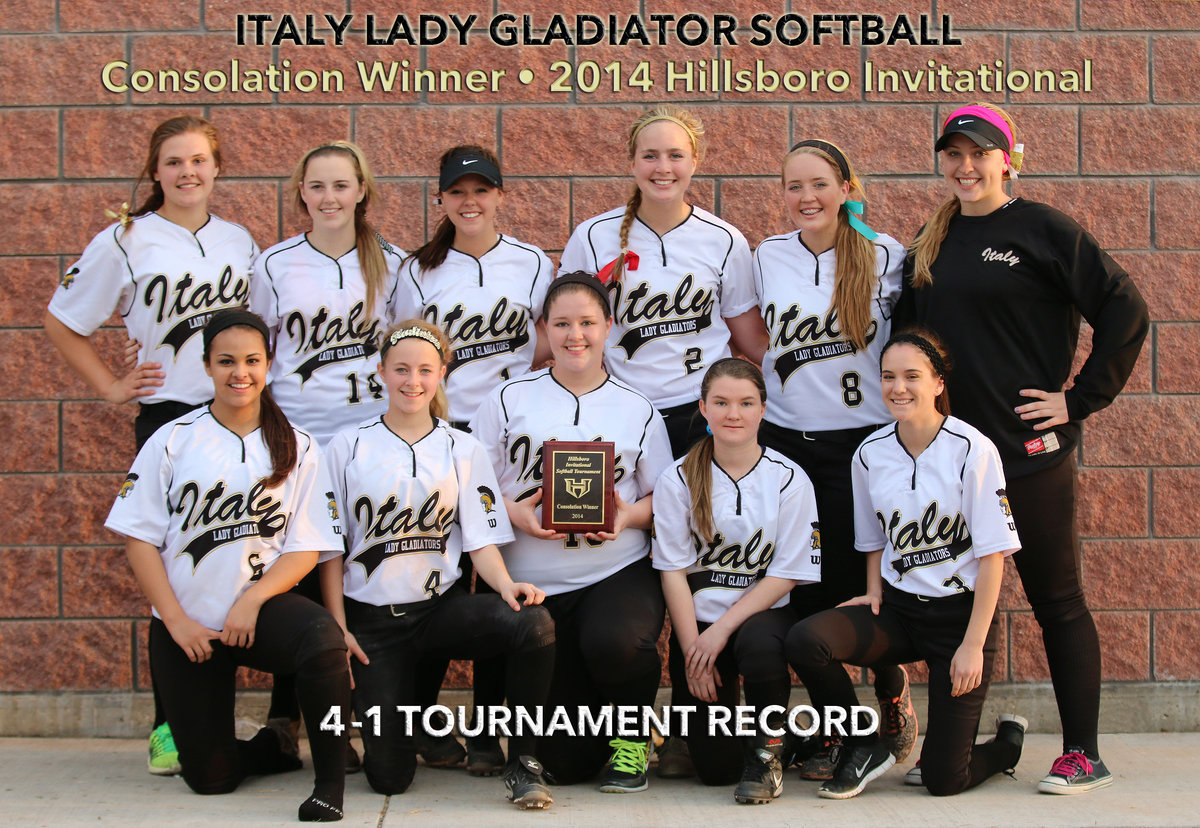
469,163
984,133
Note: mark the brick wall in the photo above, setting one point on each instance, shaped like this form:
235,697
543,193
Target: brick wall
1122,159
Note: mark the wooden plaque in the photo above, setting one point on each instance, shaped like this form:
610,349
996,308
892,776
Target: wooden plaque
577,487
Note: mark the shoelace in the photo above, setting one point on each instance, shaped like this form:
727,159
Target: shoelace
628,757
162,741
894,718
1070,764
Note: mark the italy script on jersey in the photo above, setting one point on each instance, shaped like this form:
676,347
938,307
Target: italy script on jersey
195,493
410,511
515,421
323,376
816,379
765,523
935,516
488,308
668,313
166,282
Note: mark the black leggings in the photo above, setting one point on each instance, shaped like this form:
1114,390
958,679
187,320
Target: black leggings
755,652
292,635
907,629
1043,506
455,625
607,654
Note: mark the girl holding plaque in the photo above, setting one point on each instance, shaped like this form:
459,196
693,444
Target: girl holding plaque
415,496
827,290
735,528
606,601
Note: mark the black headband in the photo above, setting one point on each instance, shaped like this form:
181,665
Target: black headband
916,340
829,149
577,277
231,317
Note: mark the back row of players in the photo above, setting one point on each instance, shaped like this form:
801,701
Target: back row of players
1002,280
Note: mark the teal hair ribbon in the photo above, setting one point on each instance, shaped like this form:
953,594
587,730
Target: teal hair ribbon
854,209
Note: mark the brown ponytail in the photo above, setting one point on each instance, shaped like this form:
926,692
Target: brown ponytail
179,125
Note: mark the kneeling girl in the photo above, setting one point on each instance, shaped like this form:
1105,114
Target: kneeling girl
735,529
415,494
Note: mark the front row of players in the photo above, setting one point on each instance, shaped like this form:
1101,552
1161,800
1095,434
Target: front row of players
227,507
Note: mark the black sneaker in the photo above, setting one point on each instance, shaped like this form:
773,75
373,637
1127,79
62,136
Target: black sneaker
525,785
1075,773
485,757
626,769
674,759
440,751
821,764
857,765
762,776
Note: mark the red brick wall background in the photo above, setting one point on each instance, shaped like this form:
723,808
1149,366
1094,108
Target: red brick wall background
1122,159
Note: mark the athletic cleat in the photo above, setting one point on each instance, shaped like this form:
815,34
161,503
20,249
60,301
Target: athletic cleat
626,770
913,777
485,757
1074,773
820,766
898,722
440,751
1011,728
164,758
525,785
762,776
857,765
674,759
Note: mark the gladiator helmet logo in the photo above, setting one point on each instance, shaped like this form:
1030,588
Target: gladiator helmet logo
127,486
816,535
577,487
68,278
488,498
1004,507
332,505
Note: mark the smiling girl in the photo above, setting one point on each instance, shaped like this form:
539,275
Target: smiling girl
415,495
600,588
325,295
1005,282
735,528
165,267
225,509
931,516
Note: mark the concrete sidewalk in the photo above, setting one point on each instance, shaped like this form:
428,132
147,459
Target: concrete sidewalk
66,782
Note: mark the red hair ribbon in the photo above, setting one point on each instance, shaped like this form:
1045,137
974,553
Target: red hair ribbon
631,263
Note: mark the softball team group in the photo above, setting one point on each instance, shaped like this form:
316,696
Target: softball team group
349,495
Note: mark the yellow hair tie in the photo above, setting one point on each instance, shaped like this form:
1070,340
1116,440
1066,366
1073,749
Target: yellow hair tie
122,214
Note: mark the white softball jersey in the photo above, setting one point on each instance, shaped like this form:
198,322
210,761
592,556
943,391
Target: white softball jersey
488,308
816,379
165,281
326,349
764,524
513,423
410,511
935,516
668,313
195,492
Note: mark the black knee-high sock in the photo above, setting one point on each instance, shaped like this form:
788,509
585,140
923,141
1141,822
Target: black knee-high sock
1073,653
527,683
323,682
889,681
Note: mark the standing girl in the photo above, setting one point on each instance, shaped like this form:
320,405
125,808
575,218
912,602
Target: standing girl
735,528
1005,281
224,510
325,294
166,267
486,290
606,602
415,494
930,513
679,277
827,290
